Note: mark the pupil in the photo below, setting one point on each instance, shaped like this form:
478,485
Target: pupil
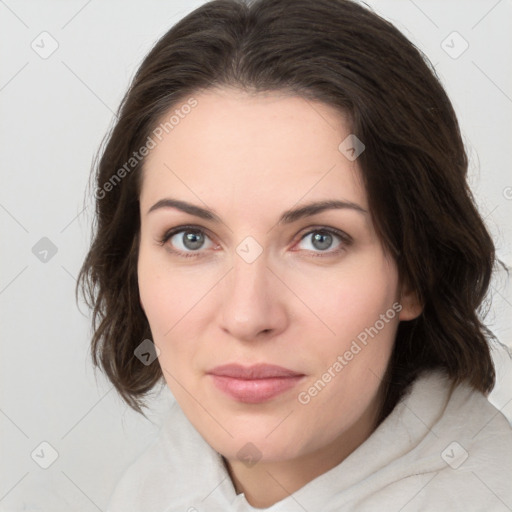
193,240
322,241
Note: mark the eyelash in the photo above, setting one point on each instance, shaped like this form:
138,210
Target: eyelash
345,240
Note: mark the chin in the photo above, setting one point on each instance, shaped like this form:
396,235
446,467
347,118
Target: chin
270,439
251,448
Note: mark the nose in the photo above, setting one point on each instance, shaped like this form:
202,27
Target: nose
253,302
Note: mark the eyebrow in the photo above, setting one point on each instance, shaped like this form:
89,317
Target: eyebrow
287,217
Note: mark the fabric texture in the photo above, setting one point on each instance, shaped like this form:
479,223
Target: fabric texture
442,448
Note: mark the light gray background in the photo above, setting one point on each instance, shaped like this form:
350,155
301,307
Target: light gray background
54,113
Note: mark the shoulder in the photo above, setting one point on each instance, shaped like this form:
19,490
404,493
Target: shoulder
473,425
467,448
479,455
443,447
161,474
141,484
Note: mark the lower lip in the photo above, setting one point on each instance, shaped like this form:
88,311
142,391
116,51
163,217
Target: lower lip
254,391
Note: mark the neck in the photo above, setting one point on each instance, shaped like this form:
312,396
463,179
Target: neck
268,482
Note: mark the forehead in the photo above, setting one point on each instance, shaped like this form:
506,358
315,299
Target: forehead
266,150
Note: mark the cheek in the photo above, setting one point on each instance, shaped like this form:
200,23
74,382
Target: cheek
168,295
164,308
362,304
155,296
349,298
176,308
358,308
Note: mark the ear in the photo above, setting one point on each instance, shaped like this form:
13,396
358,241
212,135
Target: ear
411,305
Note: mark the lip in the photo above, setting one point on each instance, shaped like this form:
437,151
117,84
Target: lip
254,384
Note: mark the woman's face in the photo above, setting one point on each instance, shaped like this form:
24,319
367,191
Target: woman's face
269,296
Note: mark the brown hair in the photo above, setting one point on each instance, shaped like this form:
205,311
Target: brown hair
414,168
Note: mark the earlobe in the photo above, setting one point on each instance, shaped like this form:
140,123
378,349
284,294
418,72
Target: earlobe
411,306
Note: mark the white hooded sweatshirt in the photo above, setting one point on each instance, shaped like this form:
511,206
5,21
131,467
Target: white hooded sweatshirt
442,448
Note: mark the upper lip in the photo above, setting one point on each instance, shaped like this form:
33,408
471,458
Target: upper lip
257,371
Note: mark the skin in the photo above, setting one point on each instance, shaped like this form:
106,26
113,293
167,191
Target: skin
249,158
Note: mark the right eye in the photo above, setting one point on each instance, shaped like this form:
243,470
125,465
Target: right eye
187,241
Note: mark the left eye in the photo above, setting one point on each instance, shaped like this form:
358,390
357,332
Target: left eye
320,240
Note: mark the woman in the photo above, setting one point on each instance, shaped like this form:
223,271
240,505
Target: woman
285,236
